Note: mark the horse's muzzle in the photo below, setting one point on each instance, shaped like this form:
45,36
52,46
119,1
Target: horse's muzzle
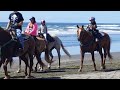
78,38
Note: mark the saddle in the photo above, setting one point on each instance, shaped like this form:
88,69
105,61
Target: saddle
49,37
18,43
96,34
26,37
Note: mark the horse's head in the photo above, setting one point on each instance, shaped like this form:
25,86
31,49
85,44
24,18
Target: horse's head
80,31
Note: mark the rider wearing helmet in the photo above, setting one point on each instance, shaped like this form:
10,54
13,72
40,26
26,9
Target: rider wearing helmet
92,27
95,32
93,22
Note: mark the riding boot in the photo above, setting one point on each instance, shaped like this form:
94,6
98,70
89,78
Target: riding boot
20,47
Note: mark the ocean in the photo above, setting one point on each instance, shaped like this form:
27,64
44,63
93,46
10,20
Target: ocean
67,33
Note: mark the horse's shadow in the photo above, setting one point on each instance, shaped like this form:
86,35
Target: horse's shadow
51,70
32,77
109,70
49,78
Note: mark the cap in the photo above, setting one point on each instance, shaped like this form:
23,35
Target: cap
33,18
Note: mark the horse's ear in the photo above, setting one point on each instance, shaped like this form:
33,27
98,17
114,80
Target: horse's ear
77,26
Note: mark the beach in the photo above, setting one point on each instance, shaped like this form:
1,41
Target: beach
69,69
69,66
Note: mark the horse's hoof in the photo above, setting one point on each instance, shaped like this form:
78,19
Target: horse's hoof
102,68
95,69
49,68
58,67
8,71
79,70
7,77
41,69
27,77
35,69
19,71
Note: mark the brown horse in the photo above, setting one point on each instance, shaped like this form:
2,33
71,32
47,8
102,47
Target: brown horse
89,45
8,48
40,46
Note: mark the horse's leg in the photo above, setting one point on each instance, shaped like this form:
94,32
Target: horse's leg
105,54
5,69
101,55
59,55
25,59
19,69
31,64
38,57
51,55
82,58
93,59
36,66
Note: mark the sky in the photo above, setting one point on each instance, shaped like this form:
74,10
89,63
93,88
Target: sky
67,16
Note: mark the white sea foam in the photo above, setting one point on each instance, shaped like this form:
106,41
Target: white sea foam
74,31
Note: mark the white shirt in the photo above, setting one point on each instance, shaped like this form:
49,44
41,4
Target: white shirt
43,29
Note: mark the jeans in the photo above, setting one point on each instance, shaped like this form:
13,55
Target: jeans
45,35
20,37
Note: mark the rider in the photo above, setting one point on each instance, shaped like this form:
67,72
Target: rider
93,28
15,23
93,22
43,29
32,28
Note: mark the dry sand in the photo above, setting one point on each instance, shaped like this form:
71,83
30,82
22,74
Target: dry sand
69,69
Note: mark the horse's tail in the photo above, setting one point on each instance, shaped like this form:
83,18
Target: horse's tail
65,50
108,48
47,58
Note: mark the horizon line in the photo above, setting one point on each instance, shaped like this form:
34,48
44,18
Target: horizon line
65,22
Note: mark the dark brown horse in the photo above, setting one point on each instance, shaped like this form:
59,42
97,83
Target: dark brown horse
8,47
87,44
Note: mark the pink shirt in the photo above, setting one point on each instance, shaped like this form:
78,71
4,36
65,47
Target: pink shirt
32,31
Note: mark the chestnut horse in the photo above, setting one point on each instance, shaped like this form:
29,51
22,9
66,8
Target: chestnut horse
87,44
8,49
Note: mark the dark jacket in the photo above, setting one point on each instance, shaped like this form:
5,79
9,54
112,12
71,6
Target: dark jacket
94,23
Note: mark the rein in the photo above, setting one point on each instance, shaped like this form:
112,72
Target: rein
6,43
